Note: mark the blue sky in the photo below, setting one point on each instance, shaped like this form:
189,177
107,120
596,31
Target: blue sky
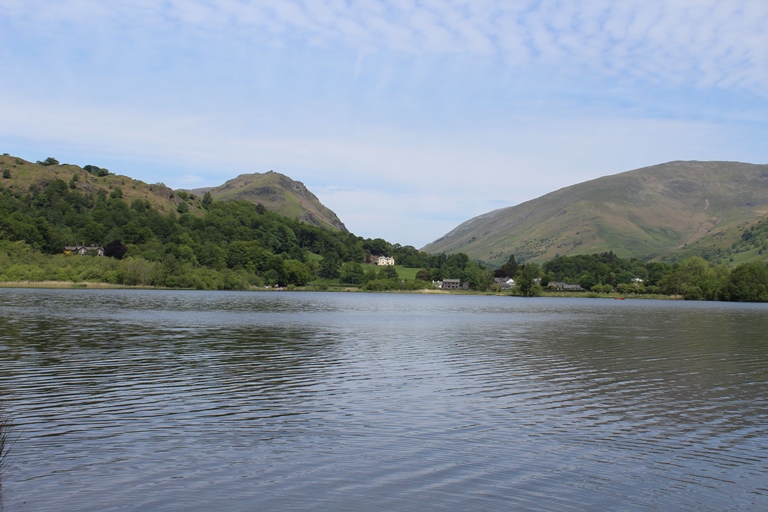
405,117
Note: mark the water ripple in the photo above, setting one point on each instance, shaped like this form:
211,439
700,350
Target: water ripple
289,401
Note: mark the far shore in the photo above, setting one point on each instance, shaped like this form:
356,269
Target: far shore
312,288
71,284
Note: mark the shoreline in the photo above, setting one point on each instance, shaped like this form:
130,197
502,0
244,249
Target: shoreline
81,285
74,285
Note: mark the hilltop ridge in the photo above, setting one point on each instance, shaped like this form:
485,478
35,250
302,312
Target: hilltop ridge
275,191
278,193
666,211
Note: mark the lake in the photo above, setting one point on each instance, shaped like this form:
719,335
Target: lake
184,400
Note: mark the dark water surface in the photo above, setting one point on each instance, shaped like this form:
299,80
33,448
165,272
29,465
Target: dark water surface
133,400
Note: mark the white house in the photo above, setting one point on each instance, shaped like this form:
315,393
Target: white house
384,260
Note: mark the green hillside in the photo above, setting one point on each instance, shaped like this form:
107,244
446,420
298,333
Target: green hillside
664,212
278,193
52,215
22,176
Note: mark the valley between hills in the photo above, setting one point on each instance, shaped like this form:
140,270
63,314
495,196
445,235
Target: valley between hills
687,229
666,212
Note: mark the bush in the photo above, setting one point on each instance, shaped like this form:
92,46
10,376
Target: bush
352,273
692,293
424,275
48,161
380,285
98,171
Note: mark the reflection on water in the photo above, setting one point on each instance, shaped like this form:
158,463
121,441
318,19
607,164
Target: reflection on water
313,401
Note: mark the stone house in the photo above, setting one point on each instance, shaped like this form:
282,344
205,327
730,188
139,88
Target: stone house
453,284
559,285
384,260
84,250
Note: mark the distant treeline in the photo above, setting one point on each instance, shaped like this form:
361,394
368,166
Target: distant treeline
238,245
234,245
693,278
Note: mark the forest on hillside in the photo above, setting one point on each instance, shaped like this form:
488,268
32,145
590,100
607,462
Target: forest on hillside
237,245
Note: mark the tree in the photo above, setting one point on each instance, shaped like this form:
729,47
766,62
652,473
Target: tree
207,200
98,171
587,281
115,249
352,272
389,272
183,207
48,161
748,283
526,285
330,266
478,277
378,247
6,173
296,272
424,275
510,267
370,275
458,260
246,255
601,288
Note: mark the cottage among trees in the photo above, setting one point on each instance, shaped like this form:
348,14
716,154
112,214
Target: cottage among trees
84,250
384,260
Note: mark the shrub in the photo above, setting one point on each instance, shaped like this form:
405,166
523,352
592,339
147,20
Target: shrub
692,293
48,161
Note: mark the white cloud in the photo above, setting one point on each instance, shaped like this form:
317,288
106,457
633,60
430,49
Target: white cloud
431,111
702,42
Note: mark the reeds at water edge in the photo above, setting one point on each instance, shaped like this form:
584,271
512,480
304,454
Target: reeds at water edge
5,440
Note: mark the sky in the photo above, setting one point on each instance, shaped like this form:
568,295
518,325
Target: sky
405,117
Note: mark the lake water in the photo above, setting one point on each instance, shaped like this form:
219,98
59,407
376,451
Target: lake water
177,400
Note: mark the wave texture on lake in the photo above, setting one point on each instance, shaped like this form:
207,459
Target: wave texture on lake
171,400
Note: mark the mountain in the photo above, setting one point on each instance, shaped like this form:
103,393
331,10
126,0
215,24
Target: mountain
663,212
277,193
21,176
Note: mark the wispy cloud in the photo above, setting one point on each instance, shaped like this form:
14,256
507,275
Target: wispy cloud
431,110
706,42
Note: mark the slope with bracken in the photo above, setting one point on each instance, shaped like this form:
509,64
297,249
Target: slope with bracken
660,212
278,193
21,175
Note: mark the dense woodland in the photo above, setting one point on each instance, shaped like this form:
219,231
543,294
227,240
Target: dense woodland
693,278
237,245
234,245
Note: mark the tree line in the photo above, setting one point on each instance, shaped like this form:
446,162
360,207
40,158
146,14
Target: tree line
233,245
239,245
693,278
